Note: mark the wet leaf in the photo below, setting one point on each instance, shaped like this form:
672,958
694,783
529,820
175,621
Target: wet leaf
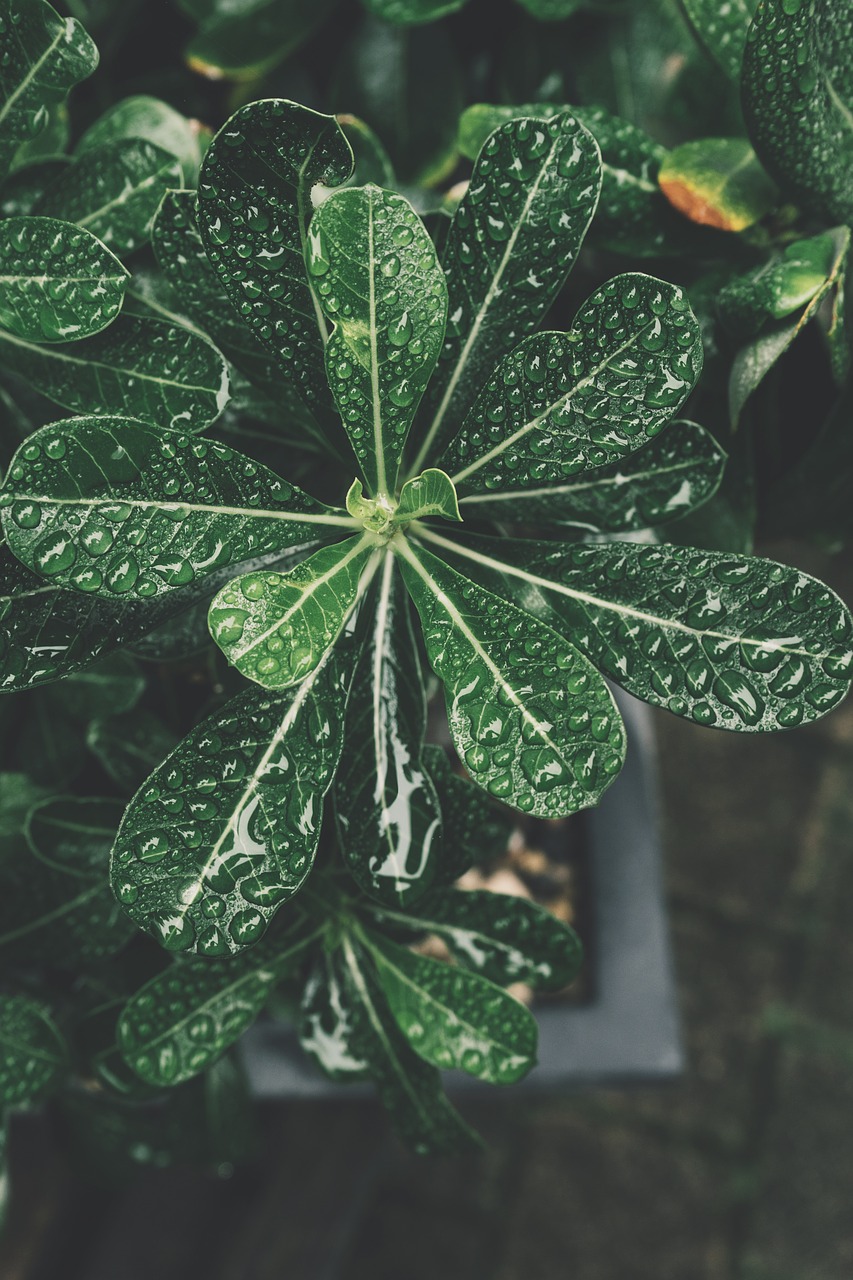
532,721
409,1087
725,640
781,285
475,829
721,27
226,829
114,506
145,117
429,494
258,182
513,240
454,1018
184,1019
146,369
379,282
32,1051
718,182
328,1024
673,474
564,403
501,937
44,56
57,281
798,100
23,188
388,820
276,627
114,191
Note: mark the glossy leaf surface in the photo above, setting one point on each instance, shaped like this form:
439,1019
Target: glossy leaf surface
114,191
184,1019
255,203
44,55
721,26
429,494
532,721
454,1018
501,937
725,640
798,100
718,182
32,1052
409,1087
514,238
57,281
665,479
243,41
226,829
379,282
475,829
388,820
561,404
146,369
328,1023
111,505
275,627
142,116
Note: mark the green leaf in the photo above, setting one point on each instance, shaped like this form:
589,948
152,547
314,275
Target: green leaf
257,185
73,835
409,1088
673,474
32,1052
328,1024
721,27
755,360
146,369
632,215
718,182
429,494
388,820
244,41
184,1019
226,829
51,142
276,627
730,641
531,719
129,746
411,12
44,55
454,1018
112,505
475,829
514,238
564,403
380,284
387,76
798,100
782,285
181,254
108,687
114,191
144,117
502,938
57,281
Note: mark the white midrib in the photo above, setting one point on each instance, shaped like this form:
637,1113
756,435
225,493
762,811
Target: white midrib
561,401
562,489
474,332
666,624
303,240
51,353
33,71
404,550
379,453
129,193
380,631
311,589
64,279
143,504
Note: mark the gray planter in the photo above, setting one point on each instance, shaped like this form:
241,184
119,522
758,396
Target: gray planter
628,1031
